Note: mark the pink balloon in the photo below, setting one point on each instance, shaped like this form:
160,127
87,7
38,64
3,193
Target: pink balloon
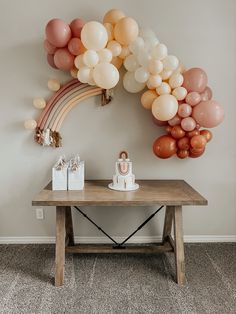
76,26
207,94
58,33
63,59
159,122
75,46
184,110
208,113
174,121
195,80
193,98
49,47
50,59
188,124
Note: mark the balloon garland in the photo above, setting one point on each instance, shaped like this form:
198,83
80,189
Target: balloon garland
93,53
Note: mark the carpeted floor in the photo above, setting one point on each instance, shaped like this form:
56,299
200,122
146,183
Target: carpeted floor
118,283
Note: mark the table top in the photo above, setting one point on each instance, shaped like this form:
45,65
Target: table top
97,193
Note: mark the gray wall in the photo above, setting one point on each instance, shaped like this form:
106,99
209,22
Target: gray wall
200,33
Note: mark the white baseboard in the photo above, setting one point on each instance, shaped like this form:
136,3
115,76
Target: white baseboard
103,240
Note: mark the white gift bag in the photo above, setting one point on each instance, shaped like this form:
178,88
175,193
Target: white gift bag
60,175
76,174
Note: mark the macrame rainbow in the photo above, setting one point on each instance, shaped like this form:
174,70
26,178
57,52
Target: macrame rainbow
59,105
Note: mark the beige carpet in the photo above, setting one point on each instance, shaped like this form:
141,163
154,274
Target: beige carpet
118,283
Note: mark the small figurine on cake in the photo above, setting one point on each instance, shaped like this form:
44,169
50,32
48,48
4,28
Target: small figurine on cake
124,179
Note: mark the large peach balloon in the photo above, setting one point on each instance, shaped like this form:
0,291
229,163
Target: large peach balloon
147,98
126,31
208,114
76,26
195,80
113,16
165,107
164,147
63,59
58,33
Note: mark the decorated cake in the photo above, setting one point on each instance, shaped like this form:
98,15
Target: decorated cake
123,179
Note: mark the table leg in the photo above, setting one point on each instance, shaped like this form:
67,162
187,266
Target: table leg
69,226
179,245
60,245
167,224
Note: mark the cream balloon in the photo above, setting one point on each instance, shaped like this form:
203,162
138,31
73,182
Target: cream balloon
90,58
94,36
159,52
78,62
130,84
54,85
164,88
176,80
141,75
180,93
124,52
166,74
170,63
30,124
39,103
137,45
155,66
105,75
126,30
84,74
154,81
115,48
144,57
165,107
131,63
105,55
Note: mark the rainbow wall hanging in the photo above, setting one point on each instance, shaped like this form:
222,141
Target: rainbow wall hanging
93,53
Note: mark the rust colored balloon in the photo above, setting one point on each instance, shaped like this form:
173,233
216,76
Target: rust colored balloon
193,133
164,146
194,153
158,122
183,143
177,132
207,134
168,129
183,153
198,141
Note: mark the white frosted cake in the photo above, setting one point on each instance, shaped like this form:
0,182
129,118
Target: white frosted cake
123,179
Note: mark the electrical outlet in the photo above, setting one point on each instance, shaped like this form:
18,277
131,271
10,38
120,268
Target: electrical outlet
39,213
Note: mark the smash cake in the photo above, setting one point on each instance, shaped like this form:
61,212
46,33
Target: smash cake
123,179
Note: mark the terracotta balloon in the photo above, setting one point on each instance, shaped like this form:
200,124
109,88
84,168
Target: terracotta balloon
183,143
208,114
193,98
168,128
50,59
113,16
198,141
183,153
207,134
76,26
126,31
184,110
194,153
63,59
158,122
164,147
175,121
58,33
177,132
207,94
193,133
195,80
75,46
147,98
188,124
49,47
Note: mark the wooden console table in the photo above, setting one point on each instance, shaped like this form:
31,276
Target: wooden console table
172,193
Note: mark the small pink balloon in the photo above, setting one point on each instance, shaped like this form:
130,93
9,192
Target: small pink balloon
188,124
50,59
184,110
76,26
208,113
159,122
49,47
193,98
195,80
174,121
63,59
207,94
75,46
58,33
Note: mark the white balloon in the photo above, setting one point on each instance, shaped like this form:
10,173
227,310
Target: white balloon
105,75
91,80
94,35
176,80
130,84
170,63
105,55
147,33
115,48
159,52
83,74
165,107
155,66
141,75
150,43
131,63
78,62
90,58
144,57
137,45
154,81
180,93
30,124
164,88
166,74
